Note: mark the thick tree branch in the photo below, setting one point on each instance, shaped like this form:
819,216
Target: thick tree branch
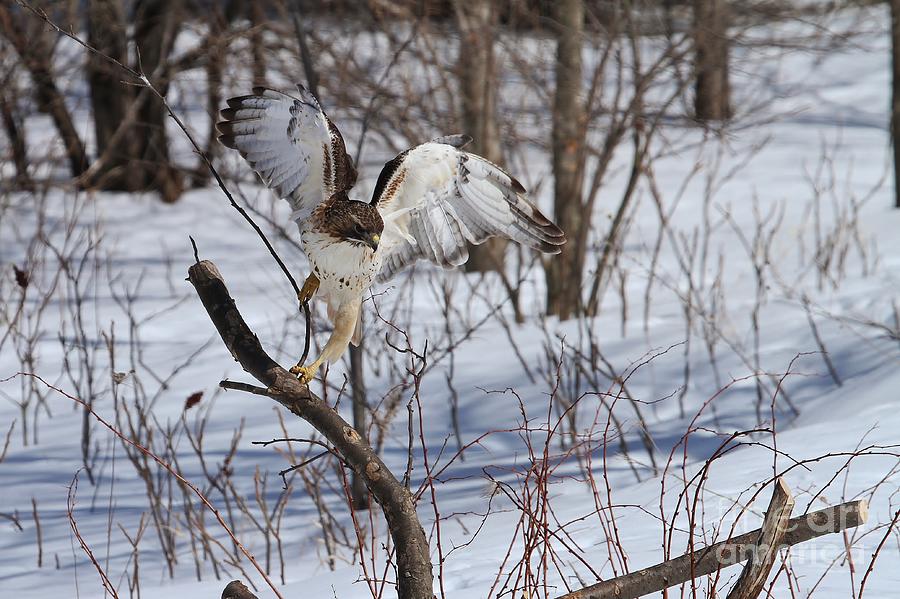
414,576
727,553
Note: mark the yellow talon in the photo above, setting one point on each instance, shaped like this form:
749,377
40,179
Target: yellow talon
306,373
310,286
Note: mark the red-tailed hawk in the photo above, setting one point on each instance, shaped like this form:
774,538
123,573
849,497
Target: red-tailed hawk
428,202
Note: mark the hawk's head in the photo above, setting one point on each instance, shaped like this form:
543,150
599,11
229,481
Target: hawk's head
354,222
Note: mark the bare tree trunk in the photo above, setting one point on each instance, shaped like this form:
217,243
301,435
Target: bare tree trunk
309,69
895,95
51,101
155,25
257,42
360,494
215,61
477,21
564,272
109,97
12,125
33,47
712,101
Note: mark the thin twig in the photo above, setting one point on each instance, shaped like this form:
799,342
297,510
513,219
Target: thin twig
194,246
70,509
203,499
887,534
246,387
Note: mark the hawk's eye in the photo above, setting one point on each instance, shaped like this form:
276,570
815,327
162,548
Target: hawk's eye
358,232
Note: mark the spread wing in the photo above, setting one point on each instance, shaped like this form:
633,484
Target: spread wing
291,144
435,197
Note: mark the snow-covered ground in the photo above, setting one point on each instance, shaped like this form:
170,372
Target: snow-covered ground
834,261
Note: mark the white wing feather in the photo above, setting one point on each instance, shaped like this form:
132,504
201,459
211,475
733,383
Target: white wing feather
291,144
435,198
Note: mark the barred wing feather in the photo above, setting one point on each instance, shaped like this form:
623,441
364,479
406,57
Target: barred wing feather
435,197
291,144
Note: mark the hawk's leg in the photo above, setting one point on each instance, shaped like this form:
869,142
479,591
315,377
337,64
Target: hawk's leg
344,319
310,286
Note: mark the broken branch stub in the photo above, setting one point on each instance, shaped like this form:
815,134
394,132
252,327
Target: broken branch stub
237,590
771,536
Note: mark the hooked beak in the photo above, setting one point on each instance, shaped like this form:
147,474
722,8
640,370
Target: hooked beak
372,241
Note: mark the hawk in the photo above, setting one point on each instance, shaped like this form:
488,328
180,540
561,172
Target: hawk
428,202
